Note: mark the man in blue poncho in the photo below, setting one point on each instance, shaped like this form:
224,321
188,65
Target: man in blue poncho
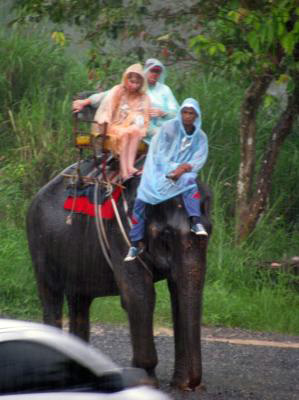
175,156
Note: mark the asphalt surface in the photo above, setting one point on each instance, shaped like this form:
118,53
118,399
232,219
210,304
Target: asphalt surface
237,364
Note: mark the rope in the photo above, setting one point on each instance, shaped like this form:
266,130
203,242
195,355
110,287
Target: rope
68,220
126,208
103,228
119,221
101,223
100,235
121,227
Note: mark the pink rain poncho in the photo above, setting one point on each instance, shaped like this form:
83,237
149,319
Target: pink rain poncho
171,147
121,112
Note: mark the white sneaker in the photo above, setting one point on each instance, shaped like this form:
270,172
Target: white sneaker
133,253
199,229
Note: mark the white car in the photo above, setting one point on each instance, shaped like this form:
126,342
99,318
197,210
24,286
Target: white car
41,362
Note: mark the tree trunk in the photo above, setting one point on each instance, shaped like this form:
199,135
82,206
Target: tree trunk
251,104
252,205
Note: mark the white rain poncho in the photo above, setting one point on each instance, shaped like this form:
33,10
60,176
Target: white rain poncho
171,147
161,97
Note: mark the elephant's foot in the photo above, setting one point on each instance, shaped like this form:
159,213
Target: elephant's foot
138,376
56,322
151,381
81,331
152,378
148,377
187,384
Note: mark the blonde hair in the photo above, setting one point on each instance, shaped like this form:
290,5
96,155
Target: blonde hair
138,70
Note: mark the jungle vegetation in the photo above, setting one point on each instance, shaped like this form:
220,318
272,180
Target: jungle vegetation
231,66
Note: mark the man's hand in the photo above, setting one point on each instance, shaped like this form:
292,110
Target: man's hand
78,105
156,112
179,171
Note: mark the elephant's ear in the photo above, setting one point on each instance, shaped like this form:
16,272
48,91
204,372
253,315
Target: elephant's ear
206,197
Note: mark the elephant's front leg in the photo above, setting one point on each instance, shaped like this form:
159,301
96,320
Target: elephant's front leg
138,299
186,294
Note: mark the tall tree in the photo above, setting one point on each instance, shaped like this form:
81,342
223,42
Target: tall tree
257,41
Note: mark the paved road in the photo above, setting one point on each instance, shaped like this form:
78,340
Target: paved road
237,364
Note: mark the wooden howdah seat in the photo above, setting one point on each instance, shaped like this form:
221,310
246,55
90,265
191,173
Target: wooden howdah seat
106,162
82,123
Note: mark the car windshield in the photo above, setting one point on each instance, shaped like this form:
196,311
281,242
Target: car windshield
33,367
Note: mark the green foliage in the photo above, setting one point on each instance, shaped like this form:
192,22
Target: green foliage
251,40
239,291
243,39
285,197
18,297
74,11
35,122
19,58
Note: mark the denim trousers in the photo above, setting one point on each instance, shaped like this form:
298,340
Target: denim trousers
191,199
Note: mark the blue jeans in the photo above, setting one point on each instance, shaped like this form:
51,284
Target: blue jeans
191,199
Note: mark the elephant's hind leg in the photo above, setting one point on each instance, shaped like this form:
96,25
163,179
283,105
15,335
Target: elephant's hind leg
51,293
79,315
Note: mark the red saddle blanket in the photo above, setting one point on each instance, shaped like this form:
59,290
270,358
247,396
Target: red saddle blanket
83,205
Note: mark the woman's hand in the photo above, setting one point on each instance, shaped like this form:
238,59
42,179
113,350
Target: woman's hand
156,112
78,105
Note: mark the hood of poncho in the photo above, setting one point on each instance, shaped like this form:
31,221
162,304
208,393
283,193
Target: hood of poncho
153,62
137,69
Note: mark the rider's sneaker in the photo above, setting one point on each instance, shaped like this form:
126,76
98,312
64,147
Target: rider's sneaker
133,253
199,229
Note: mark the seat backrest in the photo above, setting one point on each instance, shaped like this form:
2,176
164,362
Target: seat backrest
82,126
87,113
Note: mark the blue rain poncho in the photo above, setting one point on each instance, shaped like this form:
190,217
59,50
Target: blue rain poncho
161,97
171,147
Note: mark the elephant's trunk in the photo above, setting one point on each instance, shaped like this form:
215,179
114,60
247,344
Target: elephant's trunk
186,294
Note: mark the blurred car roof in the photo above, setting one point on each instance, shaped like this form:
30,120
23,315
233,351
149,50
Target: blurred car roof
15,332
58,339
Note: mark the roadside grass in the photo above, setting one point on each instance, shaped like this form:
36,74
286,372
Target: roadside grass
235,295
18,296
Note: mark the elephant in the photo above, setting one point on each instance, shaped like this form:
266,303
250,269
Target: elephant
68,261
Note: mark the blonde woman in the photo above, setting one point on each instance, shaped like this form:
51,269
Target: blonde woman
125,110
